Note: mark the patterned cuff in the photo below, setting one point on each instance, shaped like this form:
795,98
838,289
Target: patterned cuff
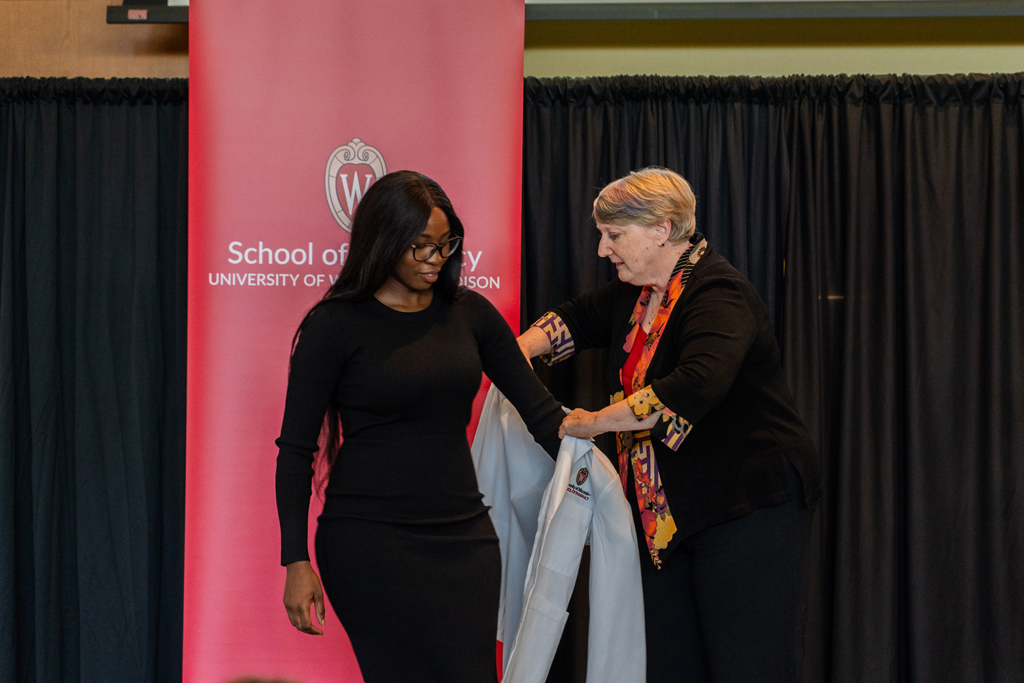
555,329
644,402
677,429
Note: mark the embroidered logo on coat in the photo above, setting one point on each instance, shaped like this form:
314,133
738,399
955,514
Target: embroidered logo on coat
581,476
577,489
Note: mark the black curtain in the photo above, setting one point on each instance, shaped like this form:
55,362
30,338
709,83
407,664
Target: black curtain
880,218
93,258
882,221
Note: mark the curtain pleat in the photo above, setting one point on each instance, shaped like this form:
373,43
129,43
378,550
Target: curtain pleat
880,218
93,251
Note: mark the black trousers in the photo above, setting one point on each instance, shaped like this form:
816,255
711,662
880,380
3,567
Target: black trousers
730,603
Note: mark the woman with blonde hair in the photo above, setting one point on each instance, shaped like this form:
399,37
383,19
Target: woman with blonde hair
720,472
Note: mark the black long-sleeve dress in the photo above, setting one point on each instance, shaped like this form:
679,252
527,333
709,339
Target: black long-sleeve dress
407,554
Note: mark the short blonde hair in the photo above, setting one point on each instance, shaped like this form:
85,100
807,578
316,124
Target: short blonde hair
649,197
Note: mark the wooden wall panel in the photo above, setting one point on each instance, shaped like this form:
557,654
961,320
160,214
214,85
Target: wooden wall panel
72,38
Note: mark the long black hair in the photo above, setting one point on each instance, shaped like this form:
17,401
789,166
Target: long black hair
390,217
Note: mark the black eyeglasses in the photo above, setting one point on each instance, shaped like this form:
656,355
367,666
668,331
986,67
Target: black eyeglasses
425,251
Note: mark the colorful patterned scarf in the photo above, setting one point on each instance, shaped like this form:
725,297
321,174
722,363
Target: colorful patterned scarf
636,447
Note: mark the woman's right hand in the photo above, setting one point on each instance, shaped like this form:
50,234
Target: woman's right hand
302,588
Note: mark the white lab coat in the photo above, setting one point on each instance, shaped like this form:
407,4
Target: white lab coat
530,499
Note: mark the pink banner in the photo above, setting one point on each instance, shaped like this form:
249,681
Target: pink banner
295,109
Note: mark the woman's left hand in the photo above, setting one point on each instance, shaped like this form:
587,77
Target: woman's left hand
581,424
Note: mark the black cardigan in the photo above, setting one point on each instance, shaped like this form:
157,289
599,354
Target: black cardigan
718,366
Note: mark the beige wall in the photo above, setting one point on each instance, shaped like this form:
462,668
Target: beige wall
776,47
72,38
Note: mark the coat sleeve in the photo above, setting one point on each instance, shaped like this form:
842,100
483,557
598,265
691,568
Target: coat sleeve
616,640
554,564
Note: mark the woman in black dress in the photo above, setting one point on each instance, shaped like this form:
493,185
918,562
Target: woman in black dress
392,356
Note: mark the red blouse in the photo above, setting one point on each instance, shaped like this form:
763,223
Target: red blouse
629,367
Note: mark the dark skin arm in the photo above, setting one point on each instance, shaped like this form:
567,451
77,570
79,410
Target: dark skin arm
302,589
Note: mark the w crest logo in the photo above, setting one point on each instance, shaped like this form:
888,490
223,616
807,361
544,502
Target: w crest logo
351,169
581,476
